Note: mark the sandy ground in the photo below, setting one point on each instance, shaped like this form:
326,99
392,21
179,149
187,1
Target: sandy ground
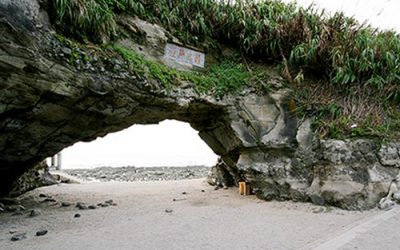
213,219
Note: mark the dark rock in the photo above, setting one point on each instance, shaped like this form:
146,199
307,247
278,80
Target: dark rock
37,176
81,205
15,208
41,232
5,201
35,212
18,237
317,200
109,202
92,207
65,204
202,190
43,196
49,200
184,193
105,205
77,215
168,210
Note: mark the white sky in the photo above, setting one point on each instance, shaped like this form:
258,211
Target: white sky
173,143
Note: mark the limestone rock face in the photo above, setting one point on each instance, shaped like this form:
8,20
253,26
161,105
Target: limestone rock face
50,99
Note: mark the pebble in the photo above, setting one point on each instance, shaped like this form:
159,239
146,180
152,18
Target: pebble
77,215
49,200
318,210
65,204
184,193
35,212
81,205
168,210
41,232
202,190
105,205
42,195
92,207
17,237
13,231
109,202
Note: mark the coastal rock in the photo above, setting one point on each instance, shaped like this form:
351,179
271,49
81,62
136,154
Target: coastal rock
49,102
36,177
389,154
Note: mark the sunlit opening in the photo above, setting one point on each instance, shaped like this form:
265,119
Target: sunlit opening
170,143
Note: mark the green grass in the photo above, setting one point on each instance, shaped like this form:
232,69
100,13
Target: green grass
350,59
219,79
335,48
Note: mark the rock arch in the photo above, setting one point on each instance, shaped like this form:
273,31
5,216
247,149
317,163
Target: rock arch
47,105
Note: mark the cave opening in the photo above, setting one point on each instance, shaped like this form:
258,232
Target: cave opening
166,146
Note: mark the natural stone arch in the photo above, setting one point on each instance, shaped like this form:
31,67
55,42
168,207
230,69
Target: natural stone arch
47,105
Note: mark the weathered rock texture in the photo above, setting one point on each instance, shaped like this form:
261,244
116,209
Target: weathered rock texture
35,177
47,104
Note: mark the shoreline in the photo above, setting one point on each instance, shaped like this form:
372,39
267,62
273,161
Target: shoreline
133,174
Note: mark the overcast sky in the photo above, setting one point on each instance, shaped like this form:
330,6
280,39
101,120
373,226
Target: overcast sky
173,143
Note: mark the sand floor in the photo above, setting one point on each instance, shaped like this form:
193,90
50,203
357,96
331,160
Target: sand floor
213,219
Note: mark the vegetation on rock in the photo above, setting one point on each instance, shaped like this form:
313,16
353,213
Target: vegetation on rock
348,73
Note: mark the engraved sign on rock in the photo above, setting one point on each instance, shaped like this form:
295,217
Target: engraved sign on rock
184,56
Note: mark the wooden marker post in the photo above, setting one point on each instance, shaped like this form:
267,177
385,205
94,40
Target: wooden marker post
244,188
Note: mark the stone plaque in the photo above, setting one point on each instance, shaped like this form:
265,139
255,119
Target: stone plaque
184,55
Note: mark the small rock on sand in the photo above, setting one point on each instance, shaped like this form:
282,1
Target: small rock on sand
92,207
81,205
77,215
49,200
41,232
35,212
65,204
17,237
43,196
318,210
168,210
